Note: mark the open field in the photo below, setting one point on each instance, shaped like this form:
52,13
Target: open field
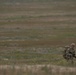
36,32
36,70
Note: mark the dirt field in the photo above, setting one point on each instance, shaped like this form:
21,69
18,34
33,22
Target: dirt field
36,32
33,35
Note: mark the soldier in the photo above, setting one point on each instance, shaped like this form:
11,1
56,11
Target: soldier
69,52
72,50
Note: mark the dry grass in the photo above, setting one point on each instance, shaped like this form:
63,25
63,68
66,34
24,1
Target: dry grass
26,27
36,70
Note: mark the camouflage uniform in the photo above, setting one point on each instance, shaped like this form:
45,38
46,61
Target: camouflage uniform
71,50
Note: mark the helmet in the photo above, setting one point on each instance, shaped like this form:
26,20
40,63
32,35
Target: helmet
73,44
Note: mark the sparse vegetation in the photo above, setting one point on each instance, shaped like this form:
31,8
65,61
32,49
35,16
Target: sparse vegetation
35,32
36,70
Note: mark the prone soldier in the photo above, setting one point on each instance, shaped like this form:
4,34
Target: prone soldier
72,50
